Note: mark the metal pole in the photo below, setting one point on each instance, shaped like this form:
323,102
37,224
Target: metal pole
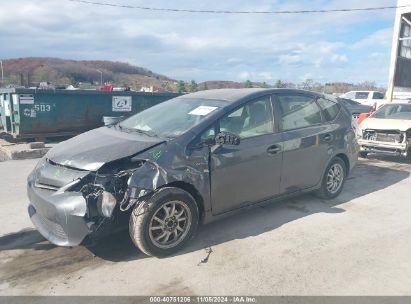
2,74
101,77
397,39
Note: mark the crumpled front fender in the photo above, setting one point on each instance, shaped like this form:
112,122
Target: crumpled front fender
163,167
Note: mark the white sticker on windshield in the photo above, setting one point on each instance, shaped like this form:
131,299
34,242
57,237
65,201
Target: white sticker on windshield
202,110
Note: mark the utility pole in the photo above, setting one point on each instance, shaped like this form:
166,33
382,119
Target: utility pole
101,76
2,74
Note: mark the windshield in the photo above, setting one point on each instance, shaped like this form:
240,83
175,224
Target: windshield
172,117
397,111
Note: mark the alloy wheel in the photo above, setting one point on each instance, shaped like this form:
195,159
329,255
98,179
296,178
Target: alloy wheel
335,178
170,224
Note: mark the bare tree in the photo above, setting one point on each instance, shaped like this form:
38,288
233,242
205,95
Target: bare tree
307,84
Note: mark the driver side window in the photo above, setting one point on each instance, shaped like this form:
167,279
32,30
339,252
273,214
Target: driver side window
209,134
251,120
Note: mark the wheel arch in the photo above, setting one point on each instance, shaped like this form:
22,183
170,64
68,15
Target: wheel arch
345,160
193,192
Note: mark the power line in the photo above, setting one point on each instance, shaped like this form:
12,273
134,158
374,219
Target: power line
176,10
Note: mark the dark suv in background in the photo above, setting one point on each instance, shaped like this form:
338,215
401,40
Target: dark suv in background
191,160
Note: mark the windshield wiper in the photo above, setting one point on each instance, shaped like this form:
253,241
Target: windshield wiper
145,132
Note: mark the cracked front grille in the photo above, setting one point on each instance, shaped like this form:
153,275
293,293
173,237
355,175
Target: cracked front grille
381,136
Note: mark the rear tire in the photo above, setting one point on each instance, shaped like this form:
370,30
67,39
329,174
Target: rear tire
333,180
164,223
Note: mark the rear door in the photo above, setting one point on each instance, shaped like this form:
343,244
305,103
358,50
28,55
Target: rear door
250,172
305,141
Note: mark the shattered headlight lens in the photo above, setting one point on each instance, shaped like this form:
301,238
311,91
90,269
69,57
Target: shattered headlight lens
106,202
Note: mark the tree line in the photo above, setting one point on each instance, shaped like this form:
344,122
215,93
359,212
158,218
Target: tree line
308,84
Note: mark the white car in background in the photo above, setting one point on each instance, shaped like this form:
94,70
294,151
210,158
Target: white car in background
387,131
368,98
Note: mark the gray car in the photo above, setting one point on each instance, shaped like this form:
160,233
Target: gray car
188,161
355,107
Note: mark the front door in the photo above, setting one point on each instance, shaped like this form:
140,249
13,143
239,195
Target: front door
250,172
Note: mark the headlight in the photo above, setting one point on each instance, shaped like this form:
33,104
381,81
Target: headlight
356,128
40,163
106,203
358,132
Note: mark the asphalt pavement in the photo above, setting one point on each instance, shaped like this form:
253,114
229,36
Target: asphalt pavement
356,244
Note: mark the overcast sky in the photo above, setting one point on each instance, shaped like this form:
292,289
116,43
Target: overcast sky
350,47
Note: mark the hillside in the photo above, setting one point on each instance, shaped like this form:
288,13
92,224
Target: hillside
31,71
222,84
60,72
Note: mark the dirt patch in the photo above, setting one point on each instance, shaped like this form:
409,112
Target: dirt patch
44,261
173,288
26,257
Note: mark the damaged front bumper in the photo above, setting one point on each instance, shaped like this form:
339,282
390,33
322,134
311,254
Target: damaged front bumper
389,148
59,216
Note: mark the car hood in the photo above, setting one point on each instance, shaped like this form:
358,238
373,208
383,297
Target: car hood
92,149
386,124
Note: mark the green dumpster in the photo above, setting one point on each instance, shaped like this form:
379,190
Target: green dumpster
48,113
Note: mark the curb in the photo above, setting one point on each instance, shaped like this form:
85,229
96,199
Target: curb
21,151
24,154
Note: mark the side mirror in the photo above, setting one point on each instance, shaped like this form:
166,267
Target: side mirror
227,138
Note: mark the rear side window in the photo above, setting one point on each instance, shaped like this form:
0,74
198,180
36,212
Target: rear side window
298,112
377,95
330,108
361,95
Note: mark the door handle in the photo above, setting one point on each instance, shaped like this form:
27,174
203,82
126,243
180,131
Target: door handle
274,149
328,137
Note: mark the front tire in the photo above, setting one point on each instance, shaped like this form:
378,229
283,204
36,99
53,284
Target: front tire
333,180
164,223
